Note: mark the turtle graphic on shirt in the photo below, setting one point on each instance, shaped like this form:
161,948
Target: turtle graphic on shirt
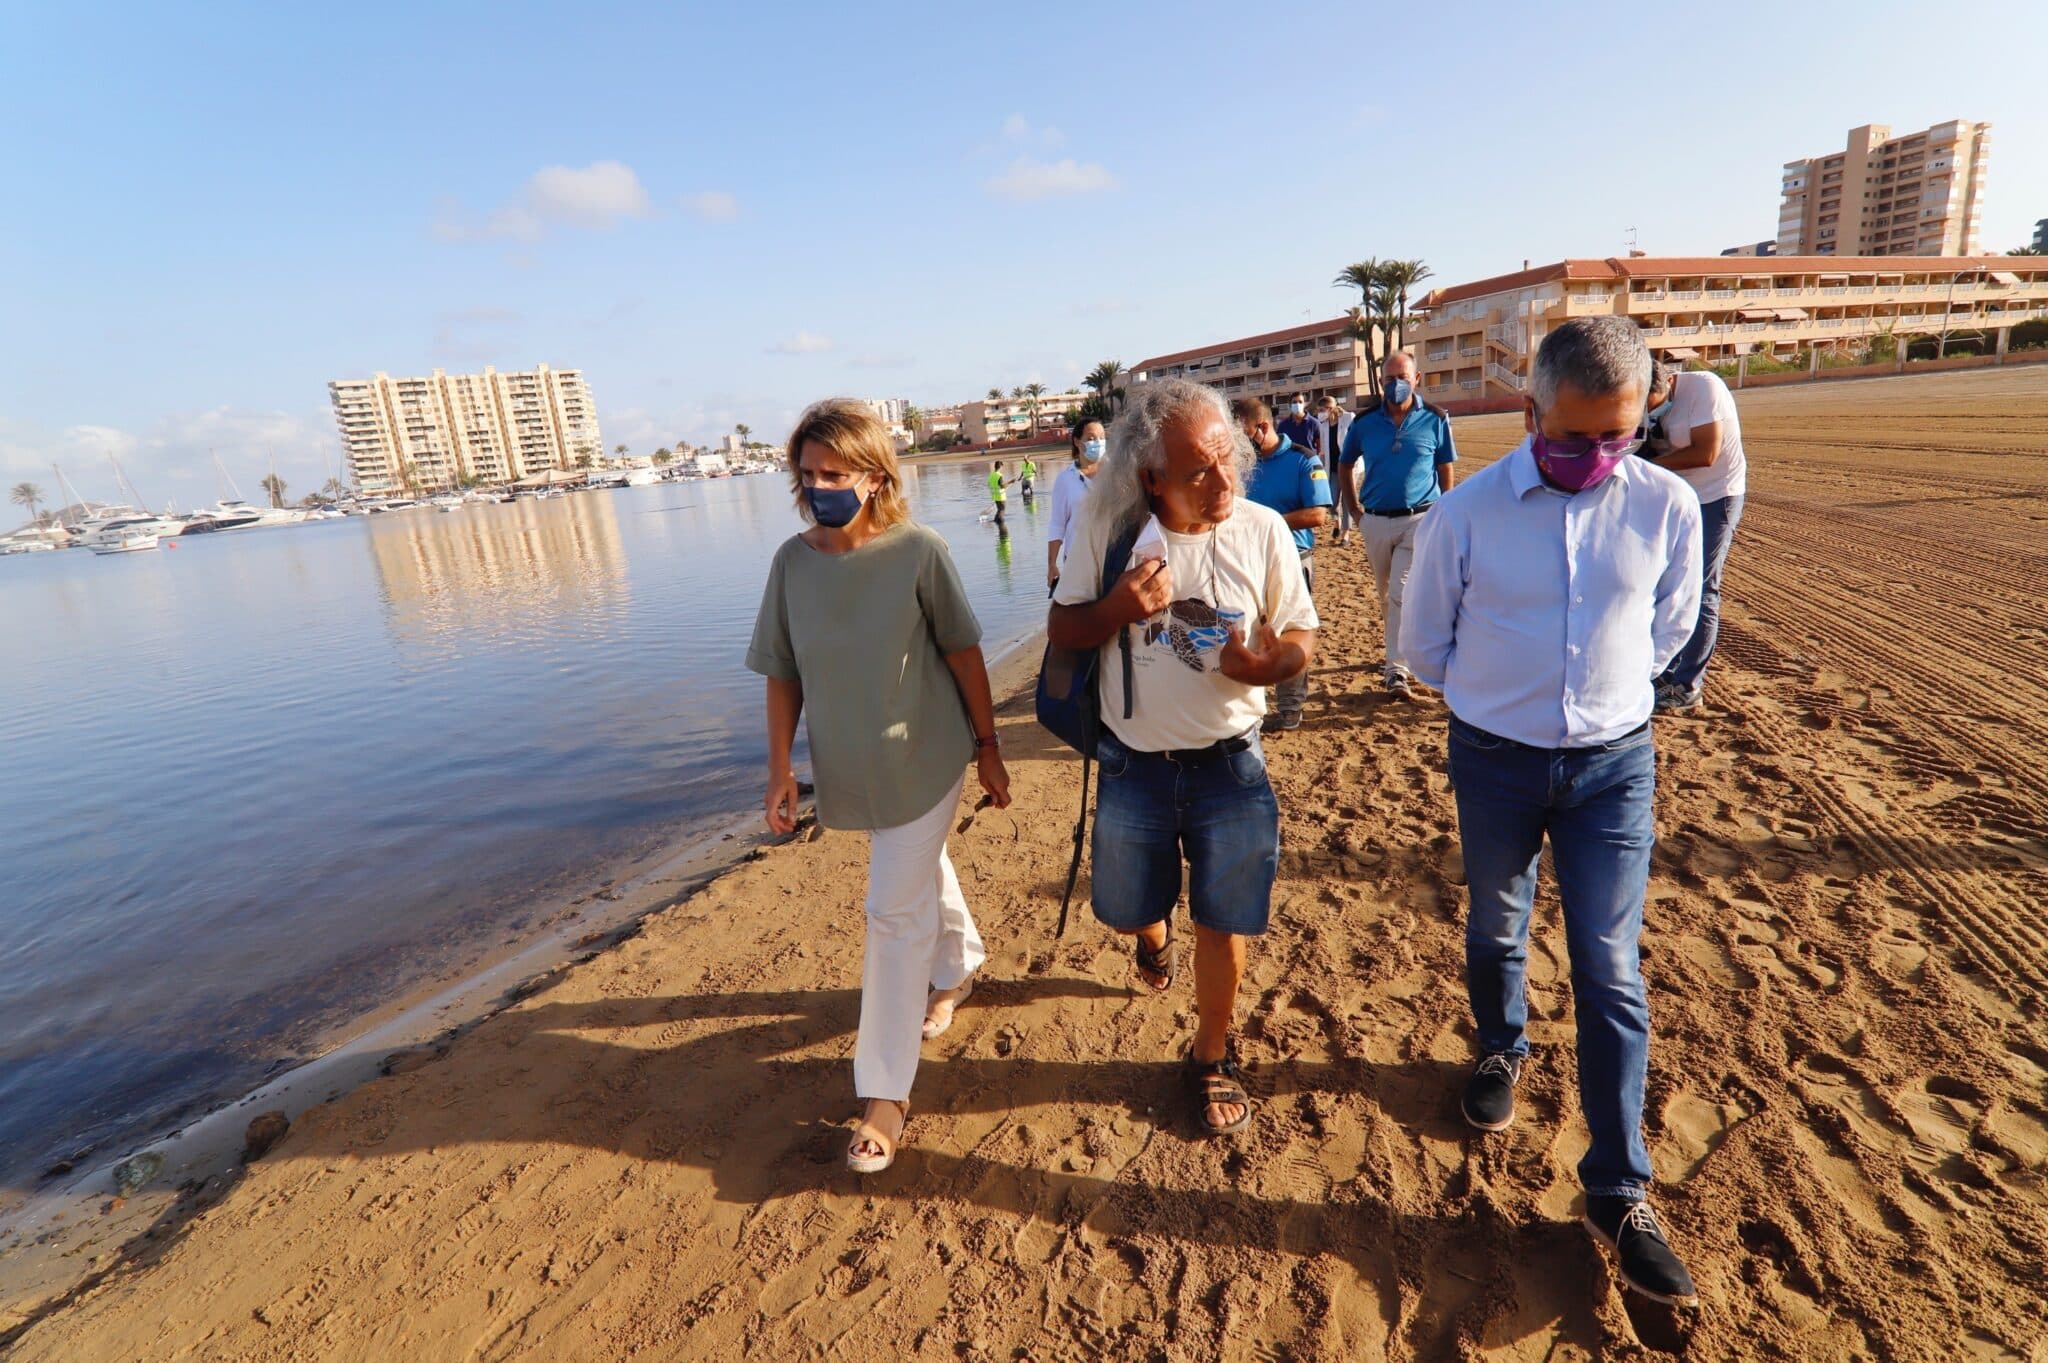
1191,627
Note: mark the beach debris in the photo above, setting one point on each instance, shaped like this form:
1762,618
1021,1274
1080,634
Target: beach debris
264,1130
135,1172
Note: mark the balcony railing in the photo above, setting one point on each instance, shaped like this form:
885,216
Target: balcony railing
1469,352
1720,293
1500,373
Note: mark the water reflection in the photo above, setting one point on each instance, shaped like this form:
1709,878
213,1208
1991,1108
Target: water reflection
495,569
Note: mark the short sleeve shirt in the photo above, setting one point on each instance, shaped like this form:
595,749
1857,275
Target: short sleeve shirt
1699,397
867,632
1242,573
1400,461
1290,479
1069,490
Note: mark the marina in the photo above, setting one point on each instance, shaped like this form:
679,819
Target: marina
268,780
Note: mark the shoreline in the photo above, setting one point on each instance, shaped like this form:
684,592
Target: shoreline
67,1215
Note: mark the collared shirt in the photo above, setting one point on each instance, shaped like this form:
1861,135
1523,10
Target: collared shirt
1400,461
1543,615
1290,479
1303,431
1069,490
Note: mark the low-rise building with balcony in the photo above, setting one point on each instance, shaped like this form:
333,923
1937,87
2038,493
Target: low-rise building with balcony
1313,361
1476,341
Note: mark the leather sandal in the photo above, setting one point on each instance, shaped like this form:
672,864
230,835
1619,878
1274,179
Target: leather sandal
1217,1081
866,1133
938,1027
1158,962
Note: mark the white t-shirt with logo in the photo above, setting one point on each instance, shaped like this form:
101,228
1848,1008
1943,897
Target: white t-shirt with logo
1699,397
1244,571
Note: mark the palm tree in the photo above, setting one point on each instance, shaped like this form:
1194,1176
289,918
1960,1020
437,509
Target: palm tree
1103,379
1399,276
1032,392
273,485
1017,392
619,450
1364,276
28,495
995,395
332,490
911,416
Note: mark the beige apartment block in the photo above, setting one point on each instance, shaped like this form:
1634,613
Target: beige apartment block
416,434
1011,418
1314,360
1475,341
1921,194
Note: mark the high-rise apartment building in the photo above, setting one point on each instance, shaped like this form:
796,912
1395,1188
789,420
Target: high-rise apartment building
1917,195
414,434
2041,235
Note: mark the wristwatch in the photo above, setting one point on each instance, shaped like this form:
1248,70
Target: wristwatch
992,741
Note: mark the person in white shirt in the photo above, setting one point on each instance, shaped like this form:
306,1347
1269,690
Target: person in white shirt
1695,433
1547,591
1214,609
1069,490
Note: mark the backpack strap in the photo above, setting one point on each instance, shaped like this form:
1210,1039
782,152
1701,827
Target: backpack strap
1112,568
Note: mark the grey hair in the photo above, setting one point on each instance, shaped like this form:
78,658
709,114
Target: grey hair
1596,355
1137,440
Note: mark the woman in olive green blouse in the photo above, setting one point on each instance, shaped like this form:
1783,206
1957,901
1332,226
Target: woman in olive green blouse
866,605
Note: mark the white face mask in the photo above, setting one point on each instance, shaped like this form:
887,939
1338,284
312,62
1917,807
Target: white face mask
1295,408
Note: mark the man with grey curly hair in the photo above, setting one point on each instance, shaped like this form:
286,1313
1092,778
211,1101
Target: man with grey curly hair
1210,607
1548,590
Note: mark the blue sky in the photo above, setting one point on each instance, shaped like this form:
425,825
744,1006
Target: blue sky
719,213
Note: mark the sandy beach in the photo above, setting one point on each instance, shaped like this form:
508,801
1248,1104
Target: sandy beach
1848,1109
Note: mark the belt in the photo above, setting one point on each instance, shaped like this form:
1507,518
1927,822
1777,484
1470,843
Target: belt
1644,727
1403,510
1195,757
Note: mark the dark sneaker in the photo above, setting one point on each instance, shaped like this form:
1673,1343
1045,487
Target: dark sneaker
1280,721
1671,697
1489,1101
1648,1264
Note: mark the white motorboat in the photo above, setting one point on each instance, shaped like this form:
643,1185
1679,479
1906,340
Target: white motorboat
642,477
25,546
125,544
113,530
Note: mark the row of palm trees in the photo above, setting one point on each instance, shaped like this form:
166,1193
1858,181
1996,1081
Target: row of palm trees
1381,317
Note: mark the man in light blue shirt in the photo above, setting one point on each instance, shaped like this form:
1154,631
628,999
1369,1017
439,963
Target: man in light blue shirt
1406,447
1547,592
1290,478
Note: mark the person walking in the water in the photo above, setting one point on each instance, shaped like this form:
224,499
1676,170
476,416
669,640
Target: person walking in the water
996,494
1025,478
865,630
1547,591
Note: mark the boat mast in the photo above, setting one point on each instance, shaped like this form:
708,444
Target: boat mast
222,469
64,486
128,488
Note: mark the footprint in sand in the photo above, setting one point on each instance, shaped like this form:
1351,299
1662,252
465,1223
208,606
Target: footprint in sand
1693,1128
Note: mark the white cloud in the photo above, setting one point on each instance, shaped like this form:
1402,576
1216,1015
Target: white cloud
803,343
712,205
596,197
1018,129
1028,180
172,459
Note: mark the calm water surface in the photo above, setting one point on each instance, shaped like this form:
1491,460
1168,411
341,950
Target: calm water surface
256,783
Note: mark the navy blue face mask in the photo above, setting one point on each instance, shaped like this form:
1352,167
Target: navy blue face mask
833,507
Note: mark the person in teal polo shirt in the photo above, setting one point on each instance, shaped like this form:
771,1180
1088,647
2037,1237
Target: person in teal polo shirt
1291,479
1408,452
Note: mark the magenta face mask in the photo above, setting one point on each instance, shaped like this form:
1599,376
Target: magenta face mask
1576,465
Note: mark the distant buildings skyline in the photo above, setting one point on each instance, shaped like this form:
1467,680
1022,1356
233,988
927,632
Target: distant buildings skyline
1918,194
404,434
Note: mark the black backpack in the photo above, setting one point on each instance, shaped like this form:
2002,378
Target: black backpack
1069,701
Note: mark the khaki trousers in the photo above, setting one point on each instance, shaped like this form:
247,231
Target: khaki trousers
1390,549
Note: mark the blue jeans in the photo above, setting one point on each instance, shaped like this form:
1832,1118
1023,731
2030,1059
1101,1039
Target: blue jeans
1717,536
1220,814
1595,804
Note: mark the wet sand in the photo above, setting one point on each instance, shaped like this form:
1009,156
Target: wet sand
1848,1109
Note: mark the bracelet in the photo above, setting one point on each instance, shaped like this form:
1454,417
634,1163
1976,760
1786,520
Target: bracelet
992,741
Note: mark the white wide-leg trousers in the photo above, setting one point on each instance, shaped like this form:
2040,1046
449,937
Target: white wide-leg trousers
920,938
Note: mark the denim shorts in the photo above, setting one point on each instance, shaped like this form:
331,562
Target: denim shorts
1151,812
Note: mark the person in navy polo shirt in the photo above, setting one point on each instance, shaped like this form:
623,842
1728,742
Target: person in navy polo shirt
1290,478
1407,449
1301,428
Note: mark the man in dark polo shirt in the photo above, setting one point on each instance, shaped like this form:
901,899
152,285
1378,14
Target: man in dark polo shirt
1406,447
1299,427
1290,478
